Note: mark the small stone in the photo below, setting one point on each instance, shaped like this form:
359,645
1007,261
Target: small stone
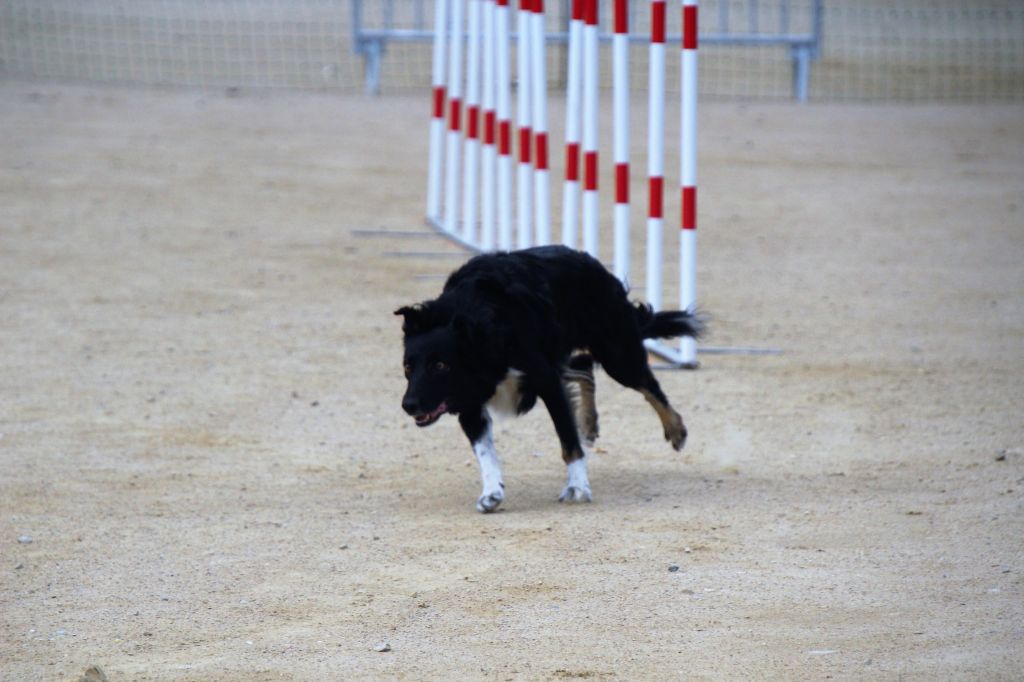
94,674
673,568
19,566
1001,457
24,539
382,647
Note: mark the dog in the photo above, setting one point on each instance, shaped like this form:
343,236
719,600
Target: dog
512,327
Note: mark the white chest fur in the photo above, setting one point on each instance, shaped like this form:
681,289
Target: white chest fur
505,401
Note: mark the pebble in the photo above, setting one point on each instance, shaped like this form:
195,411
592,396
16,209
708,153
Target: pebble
673,568
24,539
94,674
382,647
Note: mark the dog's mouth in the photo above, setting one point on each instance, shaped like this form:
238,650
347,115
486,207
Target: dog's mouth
429,418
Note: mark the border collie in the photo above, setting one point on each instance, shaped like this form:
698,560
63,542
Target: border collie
509,328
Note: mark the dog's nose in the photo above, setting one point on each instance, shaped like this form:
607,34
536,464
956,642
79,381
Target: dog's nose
410,405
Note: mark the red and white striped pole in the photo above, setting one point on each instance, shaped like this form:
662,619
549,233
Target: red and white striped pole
590,130
688,163
539,96
434,166
523,121
655,153
451,194
620,138
574,90
472,174
488,234
503,63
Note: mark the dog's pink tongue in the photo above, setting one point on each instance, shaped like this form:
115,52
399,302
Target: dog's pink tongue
441,409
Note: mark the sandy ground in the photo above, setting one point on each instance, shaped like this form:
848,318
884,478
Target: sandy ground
206,474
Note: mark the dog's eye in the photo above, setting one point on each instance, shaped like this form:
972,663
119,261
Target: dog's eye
440,367
408,370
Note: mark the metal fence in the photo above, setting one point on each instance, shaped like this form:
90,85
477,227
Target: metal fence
792,26
871,49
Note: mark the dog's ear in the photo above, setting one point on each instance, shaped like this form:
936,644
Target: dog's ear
465,329
415,318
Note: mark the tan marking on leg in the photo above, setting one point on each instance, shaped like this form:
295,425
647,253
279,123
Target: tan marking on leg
569,456
580,387
671,422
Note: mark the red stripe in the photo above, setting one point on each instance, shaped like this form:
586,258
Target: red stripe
439,102
690,27
655,193
489,127
524,145
455,113
505,138
590,170
502,3
472,122
658,22
689,208
590,12
572,161
538,6
621,16
542,151
577,9
622,183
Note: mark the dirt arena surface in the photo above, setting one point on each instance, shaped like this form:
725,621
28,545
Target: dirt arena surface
206,474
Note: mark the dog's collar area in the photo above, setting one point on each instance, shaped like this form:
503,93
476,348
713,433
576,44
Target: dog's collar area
428,418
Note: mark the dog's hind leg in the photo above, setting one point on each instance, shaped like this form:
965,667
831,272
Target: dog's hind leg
477,427
578,378
630,368
552,392
671,422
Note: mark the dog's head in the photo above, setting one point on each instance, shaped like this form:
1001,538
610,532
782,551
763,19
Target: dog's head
434,362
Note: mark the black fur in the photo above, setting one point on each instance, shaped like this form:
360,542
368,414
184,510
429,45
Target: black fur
530,310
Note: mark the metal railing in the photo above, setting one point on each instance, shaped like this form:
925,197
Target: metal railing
804,44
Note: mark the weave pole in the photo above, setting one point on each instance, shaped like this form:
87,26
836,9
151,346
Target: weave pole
539,81
655,153
451,190
688,181
574,91
591,206
472,145
503,63
620,138
488,206
524,177
437,136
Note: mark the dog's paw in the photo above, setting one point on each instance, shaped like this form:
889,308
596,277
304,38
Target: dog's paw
575,493
676,435
489,502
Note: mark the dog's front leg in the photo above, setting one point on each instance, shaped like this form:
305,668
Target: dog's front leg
477,427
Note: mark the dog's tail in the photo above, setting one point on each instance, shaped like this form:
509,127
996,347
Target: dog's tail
669,323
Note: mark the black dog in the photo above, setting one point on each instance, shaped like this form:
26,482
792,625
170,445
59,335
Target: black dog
511,327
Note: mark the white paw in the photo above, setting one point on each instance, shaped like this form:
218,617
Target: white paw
489,502
576,493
